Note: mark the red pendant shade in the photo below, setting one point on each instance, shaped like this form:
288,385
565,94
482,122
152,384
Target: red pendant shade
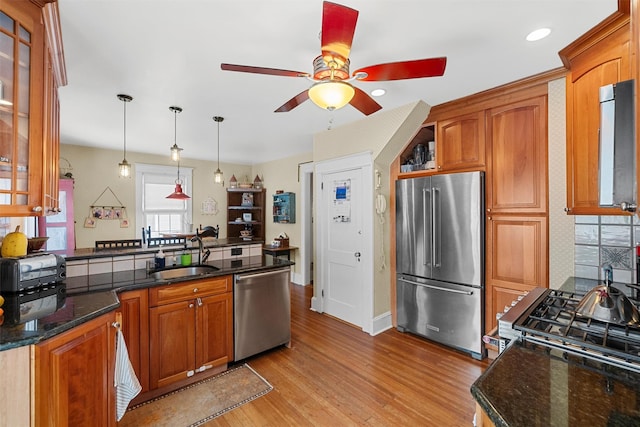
178,193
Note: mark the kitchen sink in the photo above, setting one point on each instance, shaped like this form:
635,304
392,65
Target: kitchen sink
174,273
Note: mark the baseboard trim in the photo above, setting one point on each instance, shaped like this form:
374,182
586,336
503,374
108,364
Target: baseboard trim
381,323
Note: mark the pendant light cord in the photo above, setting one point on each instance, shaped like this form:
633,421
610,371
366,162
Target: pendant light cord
218,145
124,154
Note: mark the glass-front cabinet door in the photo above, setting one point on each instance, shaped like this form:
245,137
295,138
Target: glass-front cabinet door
21,156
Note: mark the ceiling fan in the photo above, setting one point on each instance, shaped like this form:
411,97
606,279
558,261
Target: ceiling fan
332,88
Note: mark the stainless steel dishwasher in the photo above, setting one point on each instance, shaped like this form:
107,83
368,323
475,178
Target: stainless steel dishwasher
261,311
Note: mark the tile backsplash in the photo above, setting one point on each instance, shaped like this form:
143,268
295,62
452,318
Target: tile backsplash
606,240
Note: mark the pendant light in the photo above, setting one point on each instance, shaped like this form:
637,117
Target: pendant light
124,168
177,193
218,177
175,150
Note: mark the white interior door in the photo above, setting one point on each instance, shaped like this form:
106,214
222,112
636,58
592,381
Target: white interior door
342,245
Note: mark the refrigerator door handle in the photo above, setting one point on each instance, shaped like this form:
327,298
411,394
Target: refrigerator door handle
453,291
435,229
427,226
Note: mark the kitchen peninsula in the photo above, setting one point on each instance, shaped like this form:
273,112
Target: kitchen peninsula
178,330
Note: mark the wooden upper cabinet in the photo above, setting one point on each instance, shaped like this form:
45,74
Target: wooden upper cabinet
460,142
31,70
599,58
517,150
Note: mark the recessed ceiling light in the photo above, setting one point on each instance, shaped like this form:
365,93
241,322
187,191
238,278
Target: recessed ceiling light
378,92
538,34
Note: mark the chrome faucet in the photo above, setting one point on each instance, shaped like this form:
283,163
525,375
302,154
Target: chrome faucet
201,259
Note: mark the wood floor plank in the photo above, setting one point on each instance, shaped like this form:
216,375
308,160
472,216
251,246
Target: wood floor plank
336,375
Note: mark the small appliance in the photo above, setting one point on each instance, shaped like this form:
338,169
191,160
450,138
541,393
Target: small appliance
31,271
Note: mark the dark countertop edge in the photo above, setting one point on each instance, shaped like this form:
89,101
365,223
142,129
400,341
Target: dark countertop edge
90,253
115,290
64,326
483,401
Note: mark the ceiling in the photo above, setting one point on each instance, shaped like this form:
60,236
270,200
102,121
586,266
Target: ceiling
168,52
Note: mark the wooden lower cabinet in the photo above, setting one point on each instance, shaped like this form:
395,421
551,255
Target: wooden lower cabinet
516,260
482,419
74,375
134,306
191,329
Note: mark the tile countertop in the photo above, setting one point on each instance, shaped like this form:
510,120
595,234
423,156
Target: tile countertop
87,253
528,385
88,297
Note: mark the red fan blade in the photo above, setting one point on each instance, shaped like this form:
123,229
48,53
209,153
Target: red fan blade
338,27
263,70
431,67
364,103
293,102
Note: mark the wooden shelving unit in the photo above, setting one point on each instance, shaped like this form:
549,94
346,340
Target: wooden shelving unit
238,205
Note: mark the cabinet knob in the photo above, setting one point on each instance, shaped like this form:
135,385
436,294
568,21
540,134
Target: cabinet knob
191,305
567,209
489,210
37,209
195,290
489,218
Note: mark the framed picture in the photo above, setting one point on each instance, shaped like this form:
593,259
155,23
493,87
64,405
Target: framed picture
124,223
246,217
90,222
117,213
97,212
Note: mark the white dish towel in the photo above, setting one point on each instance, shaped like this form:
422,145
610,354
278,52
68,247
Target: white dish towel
126,382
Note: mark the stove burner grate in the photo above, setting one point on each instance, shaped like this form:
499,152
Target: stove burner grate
554,323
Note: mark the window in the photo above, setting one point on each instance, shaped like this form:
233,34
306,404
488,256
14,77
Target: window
153,184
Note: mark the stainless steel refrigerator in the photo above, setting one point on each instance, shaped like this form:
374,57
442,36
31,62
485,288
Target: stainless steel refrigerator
440,259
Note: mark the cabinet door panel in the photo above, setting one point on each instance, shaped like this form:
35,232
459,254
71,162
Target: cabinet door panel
215,331
74,376
517,251
517,143
601,64
134,306
172,342
461,142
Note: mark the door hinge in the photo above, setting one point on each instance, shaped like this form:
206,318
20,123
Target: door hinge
190,373
322,293
322,185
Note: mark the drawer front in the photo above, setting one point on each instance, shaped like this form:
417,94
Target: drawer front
189,290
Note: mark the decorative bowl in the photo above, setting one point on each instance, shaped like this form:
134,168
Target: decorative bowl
36,243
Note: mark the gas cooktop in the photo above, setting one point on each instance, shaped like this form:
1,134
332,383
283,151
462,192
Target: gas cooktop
548,317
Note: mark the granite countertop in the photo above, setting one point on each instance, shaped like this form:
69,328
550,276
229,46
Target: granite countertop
530,385
86,297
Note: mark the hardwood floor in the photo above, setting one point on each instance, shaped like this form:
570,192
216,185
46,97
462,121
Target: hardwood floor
337,375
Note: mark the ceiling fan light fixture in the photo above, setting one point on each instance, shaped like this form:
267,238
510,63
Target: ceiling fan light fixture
378,92
331,95
124,167
538,34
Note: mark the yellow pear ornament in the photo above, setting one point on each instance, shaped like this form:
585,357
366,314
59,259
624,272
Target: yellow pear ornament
14,244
